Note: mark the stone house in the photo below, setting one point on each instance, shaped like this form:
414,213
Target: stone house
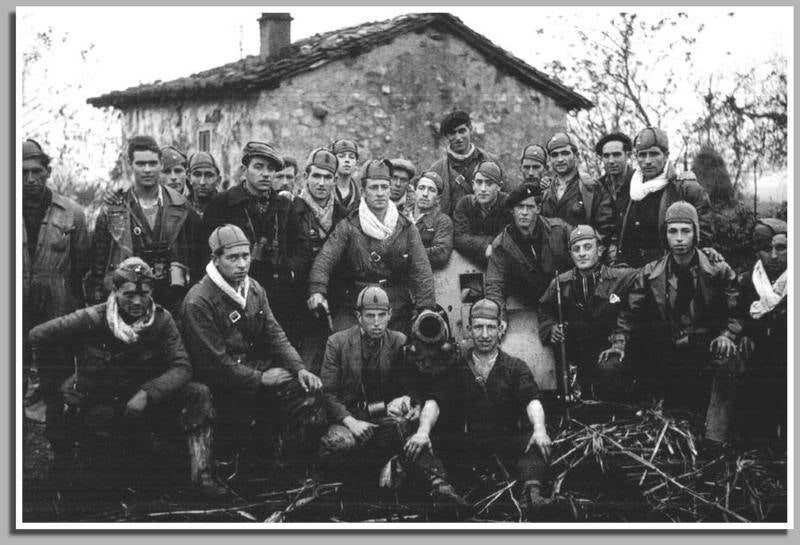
385,84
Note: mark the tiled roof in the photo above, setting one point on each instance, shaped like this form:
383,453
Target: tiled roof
253,74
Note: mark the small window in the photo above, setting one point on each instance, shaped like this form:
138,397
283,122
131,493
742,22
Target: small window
204,140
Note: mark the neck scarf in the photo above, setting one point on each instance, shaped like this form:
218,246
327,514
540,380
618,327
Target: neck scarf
372,226
239,296
770,293
127,333
641,189
324,214
459,157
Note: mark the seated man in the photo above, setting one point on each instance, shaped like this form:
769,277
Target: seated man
483,399
131,379
591,297
435,228
683,312
242,353
372,398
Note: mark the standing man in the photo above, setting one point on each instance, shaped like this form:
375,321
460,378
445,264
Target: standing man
614,150
435,228
683,311
526,254
347,189
480,216
403,171
572,199
654,187
460,159
533,165
204,176
174,165
153,222
374,245
285,180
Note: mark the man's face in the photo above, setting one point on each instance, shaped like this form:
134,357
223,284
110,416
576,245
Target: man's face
146,168
320,183
532,170
347,162
485,189
34,178
585,254
485,334
651,161
680,238
233,264
174,178
774,255
204,181
459,139
399,185
563,160
374,321
525,213
376,194
134,299
284,179
259,173
614,158
426,196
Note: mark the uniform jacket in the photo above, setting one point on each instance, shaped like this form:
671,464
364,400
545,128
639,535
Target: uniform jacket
305,237
436,231
231,347
108,370
648,314
583,202
397,262
510,271
342,366
51,282
619,197
457,185
473,232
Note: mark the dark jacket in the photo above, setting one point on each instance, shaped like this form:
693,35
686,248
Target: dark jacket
305,237
457,178
620,196
583,202
232,347
108,370
436,231
399,263
510,271
647,313
342,367
768,333
473,231
354,198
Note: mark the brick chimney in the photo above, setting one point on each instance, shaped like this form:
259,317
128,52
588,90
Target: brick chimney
275,33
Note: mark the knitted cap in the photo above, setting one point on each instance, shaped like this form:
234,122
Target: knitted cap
133,269
523,192
172,157
343,144
583,232
454,119
377,169
372,298
485,308
227,236
202,159
32,150
432,176
261,149
535,152
684,212
649,137
404,164
559,140
491,170
324,159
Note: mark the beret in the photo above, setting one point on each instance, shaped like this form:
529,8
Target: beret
227,236
372,297
559,140
452,120
613,137
432,176
324,159
523,192
649,137
404,164
343,145
535,152
261,149
769,227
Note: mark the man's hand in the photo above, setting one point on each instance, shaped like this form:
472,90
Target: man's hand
542,441
399,406
416,445
488,251
112,197
275,376
723,346
611,353
558,333
746,347
309,381
361,430
713,255
316,300
137,404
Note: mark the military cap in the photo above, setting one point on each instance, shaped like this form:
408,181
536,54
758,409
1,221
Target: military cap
683,212
432,176
172,157
649,137
133,269
202,159
261,149
583,232
32,150
613,137
523,192
377,169
535,152
491,170
343,144
404,164
485,308
559,140
454,119
227,236
142,142
324,159
372,298
766,228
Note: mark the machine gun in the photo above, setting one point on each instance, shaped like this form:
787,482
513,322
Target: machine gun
564,378
432,347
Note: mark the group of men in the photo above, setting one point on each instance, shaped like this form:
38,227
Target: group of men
290,302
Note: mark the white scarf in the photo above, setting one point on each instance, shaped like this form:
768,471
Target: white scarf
641,189
372,226
239,297
770,293
127,333
324,214
458,156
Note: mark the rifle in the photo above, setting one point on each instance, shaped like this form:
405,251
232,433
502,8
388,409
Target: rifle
564,371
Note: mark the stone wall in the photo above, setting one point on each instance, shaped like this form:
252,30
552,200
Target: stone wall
390,100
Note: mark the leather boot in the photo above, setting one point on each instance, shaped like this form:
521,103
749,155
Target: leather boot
200,463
